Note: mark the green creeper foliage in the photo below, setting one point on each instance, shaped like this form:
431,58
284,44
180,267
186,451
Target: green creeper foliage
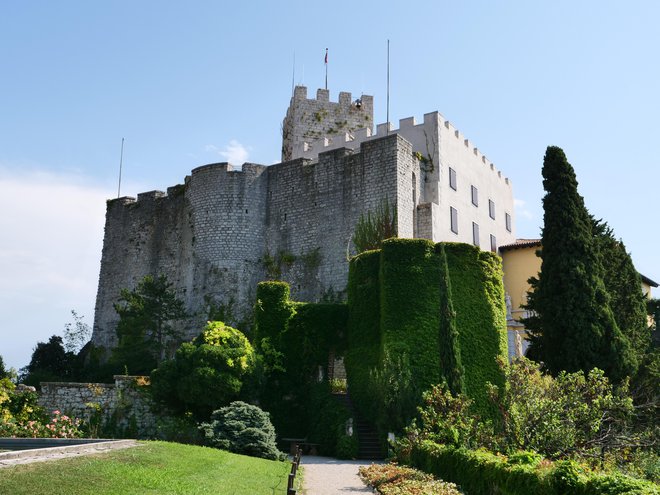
295,340
272,311
410,272
450,350
374,227
146,328
364,337
478,298
423,316
205,373
574,327
243,429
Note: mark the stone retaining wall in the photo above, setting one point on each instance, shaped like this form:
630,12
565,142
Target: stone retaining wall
123,407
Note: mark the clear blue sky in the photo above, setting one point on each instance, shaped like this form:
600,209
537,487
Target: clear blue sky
198,82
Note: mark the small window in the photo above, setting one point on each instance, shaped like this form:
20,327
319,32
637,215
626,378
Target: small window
452,178
475,196
453,214
493,243
475,234
507,219
491,209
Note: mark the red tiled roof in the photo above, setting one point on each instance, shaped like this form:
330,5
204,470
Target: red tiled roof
521,243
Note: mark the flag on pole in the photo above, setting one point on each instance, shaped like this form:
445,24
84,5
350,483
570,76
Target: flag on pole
326,68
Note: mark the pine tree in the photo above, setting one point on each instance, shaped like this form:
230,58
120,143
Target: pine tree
146,327
450,352
574,327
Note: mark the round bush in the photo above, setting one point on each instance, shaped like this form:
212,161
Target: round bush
243,429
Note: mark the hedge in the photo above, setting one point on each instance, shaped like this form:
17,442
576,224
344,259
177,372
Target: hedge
483,473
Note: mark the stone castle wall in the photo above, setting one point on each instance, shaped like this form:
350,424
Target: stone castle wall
212,235
224,230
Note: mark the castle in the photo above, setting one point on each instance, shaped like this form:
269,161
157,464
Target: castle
224,230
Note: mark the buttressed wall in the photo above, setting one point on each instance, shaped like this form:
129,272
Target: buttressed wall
210,236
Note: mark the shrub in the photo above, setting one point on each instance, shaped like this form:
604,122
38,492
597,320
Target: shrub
205,373
571,416
243,429
347,447
58,426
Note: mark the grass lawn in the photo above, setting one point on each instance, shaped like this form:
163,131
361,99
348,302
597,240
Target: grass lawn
152,468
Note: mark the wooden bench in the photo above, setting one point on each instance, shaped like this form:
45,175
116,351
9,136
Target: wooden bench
307,447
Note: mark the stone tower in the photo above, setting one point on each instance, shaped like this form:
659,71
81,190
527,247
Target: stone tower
308,120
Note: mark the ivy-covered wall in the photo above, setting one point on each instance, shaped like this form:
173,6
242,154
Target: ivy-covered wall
364,337
394,309
478,297
410,284
295,339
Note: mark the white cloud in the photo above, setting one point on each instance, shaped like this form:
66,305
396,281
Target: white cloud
522,210
50,250
234,152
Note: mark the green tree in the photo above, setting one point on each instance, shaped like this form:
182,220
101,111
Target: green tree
573,327
4,373
146,328
49,362
450,351
374,227
624,286
206,373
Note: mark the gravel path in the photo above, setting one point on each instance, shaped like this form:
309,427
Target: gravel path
327,476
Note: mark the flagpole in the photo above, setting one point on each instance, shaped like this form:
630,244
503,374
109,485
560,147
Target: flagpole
121,159
293,76
326,68
388,87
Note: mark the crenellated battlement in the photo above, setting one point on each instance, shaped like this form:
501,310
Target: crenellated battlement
408,127
309,119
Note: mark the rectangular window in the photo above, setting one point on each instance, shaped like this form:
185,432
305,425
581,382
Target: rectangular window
507,218
452,178
475,196
493,243
453,218
475,234
491,209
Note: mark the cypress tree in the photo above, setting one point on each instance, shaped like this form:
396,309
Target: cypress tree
624,286
450,351
574,327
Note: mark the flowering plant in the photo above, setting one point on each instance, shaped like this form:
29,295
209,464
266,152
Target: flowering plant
59,426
